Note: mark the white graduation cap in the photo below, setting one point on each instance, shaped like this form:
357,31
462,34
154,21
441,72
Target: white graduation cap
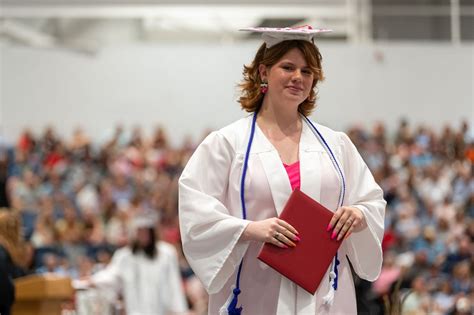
274,35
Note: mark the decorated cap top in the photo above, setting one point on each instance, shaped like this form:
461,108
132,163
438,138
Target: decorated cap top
274,35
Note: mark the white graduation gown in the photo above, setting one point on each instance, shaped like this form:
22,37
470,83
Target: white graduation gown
149,287
211,225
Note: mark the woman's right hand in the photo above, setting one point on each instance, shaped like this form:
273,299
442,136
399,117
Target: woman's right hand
273,230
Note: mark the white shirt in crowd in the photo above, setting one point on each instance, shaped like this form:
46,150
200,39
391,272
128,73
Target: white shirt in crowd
149,286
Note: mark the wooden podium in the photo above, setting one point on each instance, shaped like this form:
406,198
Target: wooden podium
41,294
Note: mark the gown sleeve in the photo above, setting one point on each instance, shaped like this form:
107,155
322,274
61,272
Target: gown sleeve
363,248
210,234
110,277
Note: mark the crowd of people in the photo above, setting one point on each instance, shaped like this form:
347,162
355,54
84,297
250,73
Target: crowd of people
77,198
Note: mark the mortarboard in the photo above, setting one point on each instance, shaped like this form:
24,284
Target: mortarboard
274,35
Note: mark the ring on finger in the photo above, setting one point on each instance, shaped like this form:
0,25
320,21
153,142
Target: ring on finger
276,236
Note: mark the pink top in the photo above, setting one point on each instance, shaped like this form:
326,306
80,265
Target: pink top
293,171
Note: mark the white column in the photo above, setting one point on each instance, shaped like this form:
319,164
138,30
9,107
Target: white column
366,20
352,20
455,22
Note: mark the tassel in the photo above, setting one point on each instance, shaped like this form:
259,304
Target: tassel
232,309
329,297
230,306
333,279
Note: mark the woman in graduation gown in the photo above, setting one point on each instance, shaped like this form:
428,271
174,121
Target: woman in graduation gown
276,149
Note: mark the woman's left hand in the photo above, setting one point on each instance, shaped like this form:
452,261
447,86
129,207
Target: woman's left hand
345,221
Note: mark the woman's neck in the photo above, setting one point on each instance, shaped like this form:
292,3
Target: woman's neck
285,118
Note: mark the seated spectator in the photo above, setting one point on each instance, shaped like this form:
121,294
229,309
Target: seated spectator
444,298
418,300
462,280
428,243
70,233
24,190
44,234
117,228
462,252
52,263
388,275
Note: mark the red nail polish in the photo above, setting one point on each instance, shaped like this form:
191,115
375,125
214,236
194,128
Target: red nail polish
284,246
333,235
329,227
297,238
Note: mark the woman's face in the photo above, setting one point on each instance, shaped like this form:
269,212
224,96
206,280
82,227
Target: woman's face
289,80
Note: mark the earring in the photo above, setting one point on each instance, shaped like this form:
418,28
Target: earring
263,87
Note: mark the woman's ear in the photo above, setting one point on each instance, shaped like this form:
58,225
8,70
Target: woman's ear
262,71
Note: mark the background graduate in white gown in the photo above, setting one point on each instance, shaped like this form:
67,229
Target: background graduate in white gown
146,273
279,90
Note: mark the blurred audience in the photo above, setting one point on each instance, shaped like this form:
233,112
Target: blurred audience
78,196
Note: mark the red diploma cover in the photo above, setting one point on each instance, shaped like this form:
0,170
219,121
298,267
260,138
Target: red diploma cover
307,263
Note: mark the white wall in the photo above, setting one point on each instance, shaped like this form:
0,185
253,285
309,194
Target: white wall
188,87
